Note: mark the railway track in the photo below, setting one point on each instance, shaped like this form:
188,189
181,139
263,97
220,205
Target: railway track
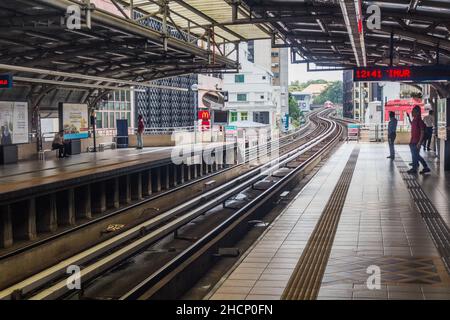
97,260
64,244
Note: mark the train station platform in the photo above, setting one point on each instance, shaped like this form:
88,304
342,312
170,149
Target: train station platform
24,173
34,173
362,228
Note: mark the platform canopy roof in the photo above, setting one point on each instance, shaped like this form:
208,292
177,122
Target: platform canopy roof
40,46
334,33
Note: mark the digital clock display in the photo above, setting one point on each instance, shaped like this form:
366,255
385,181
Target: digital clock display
5,81
404,74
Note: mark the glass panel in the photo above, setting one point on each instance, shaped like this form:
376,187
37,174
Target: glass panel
122,95
129,118
244,116
233,116
128,95
99,120
241,97
239,78
112,123
105,120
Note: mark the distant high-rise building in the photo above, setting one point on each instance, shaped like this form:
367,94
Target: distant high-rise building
348,93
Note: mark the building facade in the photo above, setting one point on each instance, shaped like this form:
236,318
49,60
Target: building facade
276,60
250,93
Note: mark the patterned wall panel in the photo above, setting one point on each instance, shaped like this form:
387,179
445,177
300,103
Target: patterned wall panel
166,108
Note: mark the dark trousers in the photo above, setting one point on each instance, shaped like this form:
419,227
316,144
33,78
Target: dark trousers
427,138
416,157
391,141
61,149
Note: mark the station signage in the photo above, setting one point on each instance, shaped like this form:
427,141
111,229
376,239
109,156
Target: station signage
403,74
6,81
204,115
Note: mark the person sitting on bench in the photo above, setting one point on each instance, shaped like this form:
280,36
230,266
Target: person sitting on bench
58,144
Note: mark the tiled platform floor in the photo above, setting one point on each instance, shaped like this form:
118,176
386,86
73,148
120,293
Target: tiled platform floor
378,227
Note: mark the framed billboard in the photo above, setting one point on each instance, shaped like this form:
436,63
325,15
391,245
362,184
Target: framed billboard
74,120
442,119
13,122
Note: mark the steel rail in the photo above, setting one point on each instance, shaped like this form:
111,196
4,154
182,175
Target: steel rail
158,279
121,210
33,283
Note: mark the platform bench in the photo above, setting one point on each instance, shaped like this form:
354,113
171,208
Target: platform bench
42,153
106,145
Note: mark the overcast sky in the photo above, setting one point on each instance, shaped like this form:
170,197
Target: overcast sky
298,72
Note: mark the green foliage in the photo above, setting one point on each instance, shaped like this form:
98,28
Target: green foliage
334,93
294,111
410,94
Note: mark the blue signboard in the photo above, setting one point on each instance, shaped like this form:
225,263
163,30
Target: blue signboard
6,81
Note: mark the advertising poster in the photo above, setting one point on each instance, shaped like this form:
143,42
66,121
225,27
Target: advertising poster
442,119
75,120
13,122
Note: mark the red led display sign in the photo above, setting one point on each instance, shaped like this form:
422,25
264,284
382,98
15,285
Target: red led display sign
6,81
404,74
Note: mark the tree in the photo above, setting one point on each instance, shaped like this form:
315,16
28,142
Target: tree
334,93
294,111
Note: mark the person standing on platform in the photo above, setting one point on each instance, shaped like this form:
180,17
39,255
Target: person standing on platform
417,136
392,134
429,122
58,144
6,136
140,132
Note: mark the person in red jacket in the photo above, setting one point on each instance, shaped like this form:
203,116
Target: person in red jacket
417,136
140,132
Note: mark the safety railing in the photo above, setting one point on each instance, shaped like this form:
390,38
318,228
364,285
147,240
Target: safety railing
166,130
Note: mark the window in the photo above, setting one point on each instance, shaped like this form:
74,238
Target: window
99,120
261,117
244,116
233,116
105,120
276,74
262,97
275,54
112,123
264,77
241,97
239,78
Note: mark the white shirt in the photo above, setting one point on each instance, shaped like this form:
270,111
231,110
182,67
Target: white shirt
429,121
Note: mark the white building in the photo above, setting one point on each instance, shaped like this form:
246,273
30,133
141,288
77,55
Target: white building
303,100
251,93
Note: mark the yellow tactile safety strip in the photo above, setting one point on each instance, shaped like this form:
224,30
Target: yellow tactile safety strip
305,281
